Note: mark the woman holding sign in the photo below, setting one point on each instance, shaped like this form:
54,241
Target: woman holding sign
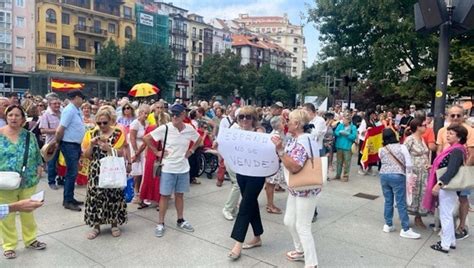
301,204
250,188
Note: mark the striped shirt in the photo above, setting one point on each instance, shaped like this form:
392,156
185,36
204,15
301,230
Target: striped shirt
4,210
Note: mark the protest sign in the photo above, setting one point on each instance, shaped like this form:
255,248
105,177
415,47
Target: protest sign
248,153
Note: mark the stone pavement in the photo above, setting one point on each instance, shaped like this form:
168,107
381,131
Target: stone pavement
348,232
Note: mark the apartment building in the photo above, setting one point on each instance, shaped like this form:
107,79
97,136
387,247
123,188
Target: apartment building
72,32
285,34
17,44
152,27
258,51
222,37
200,44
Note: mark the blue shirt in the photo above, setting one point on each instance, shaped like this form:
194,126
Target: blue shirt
71,120
345,141
4,210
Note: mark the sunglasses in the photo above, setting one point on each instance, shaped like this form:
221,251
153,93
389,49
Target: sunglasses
176,114
102,123
160,107
455,115
245,116
127,108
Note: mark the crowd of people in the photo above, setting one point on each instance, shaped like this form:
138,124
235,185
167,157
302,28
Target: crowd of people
74,134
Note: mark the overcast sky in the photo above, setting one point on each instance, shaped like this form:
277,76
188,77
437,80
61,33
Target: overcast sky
229,9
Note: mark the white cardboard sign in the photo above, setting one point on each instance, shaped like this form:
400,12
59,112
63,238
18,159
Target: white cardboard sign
248,153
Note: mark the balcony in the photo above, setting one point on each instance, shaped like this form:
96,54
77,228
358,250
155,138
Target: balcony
51,44
194,50
179,32
83,49
51,20
197,63
93,31
178,48
194,36
181,63
78,3
107,9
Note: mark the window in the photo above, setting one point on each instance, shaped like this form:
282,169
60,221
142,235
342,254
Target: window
65,42
111,28
127,12
5,20
200,34
295,49
81,21
50,16
81,44
294,69
6,56
5,40
128,32
20,22
51,59
6,4
20,42
65,18
295,40
20,61
20,3
50,37
295,59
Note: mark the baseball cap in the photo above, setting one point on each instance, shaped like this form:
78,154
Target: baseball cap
74,93
277,104
177,109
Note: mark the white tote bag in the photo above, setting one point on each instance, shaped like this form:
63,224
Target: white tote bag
113,173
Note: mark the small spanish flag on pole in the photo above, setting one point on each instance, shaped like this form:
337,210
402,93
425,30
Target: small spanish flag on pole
370,148
64,86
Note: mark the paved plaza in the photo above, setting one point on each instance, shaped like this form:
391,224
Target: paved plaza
348,232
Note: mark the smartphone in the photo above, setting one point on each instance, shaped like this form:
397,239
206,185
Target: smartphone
38,196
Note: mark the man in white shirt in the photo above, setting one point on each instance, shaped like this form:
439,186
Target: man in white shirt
175,169
320,128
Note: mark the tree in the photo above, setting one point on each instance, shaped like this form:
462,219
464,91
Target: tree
107,62
462,65
144,63
272,80
218,75
250,78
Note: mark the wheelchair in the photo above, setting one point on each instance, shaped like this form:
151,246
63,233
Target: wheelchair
208,162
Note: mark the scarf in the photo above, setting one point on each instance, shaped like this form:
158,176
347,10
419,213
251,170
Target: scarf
428,199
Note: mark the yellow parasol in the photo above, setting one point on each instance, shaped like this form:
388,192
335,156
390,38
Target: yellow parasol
143,90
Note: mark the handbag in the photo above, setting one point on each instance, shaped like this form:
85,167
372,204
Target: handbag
312,176
461,181
113,173
157,164
11,180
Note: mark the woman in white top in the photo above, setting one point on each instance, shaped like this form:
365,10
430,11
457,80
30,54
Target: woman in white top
137,131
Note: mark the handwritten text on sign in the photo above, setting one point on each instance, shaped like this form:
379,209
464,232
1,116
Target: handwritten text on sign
248,153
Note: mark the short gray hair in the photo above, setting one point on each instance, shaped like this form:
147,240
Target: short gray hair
275,122
51,96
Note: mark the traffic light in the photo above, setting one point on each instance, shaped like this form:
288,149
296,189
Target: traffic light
60,61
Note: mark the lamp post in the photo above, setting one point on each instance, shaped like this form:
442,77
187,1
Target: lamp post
4,65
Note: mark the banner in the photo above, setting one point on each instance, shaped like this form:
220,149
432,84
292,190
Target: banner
146,19
370,148
248,153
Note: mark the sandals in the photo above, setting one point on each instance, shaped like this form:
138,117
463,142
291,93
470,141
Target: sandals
439,248
116,232
9,254
195,181
93,234
249,246
37,245
234,256
142,205
273,210
295,255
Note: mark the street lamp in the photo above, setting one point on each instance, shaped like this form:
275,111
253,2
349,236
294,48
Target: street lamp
4,65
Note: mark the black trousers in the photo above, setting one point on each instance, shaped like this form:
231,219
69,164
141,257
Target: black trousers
249,212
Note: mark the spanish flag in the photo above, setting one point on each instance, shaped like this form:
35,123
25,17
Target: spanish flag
370,148
64,86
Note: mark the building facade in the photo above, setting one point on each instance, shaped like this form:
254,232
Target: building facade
71,32
285,34
152,27
200,45
222,37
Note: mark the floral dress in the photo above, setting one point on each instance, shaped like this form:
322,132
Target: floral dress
103,206
419,153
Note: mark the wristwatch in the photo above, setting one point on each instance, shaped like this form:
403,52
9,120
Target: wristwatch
440,184
281,153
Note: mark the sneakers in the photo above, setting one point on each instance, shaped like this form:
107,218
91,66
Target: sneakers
160,230
361,172
227,215
410,234
388,229
461,234
53,187
185,226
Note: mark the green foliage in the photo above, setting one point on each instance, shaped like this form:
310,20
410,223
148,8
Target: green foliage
280,94
139,63
107,62
218,75
376,39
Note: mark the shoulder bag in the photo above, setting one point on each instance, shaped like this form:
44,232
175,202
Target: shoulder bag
313,174
461,181
157,165
10,180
